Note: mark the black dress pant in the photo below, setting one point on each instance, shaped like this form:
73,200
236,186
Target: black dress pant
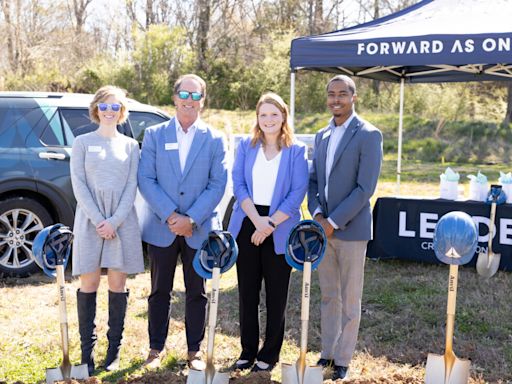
254,265
163,265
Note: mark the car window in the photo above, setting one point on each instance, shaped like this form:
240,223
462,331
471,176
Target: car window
53,133
16,126
77,120
141,120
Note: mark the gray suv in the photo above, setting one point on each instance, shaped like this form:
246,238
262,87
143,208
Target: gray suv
36,134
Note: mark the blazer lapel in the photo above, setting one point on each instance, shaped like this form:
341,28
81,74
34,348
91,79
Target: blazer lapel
252,152
195,148
281,173
347,136
322,157
170,138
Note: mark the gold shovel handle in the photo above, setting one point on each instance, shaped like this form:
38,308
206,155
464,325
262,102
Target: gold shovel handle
451,305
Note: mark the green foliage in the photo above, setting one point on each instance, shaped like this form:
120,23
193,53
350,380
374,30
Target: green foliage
234,84
98,71
427,149
160,56
43,76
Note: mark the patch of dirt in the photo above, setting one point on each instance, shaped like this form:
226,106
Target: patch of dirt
166,377
253,378
156,377
394,379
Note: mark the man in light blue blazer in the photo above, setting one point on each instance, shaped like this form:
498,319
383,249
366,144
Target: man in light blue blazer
182,177
346,167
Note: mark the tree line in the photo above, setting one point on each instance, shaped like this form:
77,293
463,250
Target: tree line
241,47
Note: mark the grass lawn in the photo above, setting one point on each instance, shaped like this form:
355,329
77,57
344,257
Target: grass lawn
403,318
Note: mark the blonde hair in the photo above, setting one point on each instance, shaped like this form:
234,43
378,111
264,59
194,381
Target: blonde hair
101,95
286,136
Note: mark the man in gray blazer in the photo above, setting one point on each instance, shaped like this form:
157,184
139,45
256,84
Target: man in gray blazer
182,177
346,166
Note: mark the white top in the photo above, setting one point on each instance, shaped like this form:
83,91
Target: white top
184,141
264,177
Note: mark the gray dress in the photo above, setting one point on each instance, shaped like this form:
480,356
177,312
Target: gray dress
104,178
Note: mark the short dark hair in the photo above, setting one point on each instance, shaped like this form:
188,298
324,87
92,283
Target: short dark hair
347,80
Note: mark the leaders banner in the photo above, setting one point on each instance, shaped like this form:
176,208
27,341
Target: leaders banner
404,228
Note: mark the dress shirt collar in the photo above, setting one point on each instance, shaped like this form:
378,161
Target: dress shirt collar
179,128
332,124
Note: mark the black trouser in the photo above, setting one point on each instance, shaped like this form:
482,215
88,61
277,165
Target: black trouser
255,264
163,265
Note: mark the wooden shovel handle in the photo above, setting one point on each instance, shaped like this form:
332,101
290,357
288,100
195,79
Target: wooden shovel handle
63,313
304,316
450,308
212,316
491,227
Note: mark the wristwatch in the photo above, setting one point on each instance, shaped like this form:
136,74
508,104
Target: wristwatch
192,222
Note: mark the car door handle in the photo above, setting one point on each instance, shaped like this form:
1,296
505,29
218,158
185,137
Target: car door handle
52,156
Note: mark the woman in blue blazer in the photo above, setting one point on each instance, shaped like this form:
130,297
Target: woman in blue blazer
270,179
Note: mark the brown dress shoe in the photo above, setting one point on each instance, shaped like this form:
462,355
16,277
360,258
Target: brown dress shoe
154,359
194,361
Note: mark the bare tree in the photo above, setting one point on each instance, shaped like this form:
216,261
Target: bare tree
12,52
203,27
79,13
508,114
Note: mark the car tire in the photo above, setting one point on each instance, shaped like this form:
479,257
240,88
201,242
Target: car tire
21,219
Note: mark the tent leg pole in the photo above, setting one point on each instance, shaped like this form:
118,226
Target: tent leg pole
400,129
292,99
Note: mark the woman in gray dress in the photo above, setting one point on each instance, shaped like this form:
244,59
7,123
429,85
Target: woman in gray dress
104,177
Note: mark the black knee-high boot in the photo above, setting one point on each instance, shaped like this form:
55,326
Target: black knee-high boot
86,305
117,303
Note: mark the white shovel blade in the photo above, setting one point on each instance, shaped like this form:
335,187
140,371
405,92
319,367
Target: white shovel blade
77,372
487,265
435,370
199,377
53,375
312,375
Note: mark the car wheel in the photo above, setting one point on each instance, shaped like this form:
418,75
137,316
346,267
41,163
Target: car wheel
21,219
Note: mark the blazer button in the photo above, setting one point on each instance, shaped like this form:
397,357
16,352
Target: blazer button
182,193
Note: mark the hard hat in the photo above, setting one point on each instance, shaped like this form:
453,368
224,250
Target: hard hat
218,250
306,242
52,247
455,238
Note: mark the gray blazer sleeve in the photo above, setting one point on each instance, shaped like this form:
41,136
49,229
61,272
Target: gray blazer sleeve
367,177
79,182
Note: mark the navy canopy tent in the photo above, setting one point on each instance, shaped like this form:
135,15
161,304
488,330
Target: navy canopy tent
432,41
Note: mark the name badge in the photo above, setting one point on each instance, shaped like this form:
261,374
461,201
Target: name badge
326,134
94,148
171,146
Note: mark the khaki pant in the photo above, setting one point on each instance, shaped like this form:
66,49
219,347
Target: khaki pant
341,275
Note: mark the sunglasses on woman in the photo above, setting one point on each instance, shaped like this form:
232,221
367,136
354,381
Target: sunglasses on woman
115,107
196,96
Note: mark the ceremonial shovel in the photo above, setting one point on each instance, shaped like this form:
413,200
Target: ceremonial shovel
455,242
448,368
221,253
66,370
487,263
300,373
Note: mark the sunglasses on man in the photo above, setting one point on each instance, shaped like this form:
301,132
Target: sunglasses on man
196,96
115,107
